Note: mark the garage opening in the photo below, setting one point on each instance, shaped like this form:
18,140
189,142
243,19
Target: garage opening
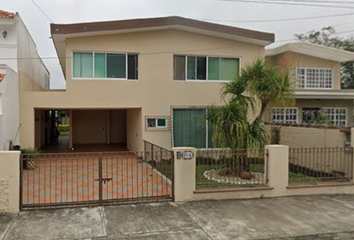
84,130
99,130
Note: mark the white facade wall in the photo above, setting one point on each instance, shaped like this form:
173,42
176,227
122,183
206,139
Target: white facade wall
9,109
18,57
8,45
29,61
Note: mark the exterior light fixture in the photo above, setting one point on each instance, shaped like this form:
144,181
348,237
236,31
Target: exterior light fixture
4,33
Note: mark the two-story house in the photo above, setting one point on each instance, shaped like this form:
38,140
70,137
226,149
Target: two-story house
145,79
21,70
315,71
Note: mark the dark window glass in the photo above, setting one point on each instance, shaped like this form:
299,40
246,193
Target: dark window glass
116,65
201,68
309,115
132,66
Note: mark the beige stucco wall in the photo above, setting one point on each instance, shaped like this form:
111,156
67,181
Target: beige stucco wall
155,91
297,137
289,61
9,181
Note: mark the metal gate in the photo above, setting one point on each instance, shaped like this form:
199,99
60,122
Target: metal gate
56,180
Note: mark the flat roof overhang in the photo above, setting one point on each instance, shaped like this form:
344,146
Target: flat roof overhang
60,32
325,94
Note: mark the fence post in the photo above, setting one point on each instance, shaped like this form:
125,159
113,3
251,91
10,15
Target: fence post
10,181
278,168
184,171
351,152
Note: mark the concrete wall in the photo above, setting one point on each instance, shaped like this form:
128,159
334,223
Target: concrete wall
9,181
154,93
296,137
9,110
278,184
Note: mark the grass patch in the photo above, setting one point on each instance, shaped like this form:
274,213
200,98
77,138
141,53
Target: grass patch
300,177
202,182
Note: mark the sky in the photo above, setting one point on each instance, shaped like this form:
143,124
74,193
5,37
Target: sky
239,13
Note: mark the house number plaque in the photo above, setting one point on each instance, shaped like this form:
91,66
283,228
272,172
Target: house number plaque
186,155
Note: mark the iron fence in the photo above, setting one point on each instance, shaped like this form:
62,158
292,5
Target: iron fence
231,168
90,179
315,165
162,156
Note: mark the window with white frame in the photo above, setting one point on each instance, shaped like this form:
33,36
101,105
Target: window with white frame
156,123
205,68
314,78
336,116
284,115
105,65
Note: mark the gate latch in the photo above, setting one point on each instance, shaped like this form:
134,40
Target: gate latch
105,180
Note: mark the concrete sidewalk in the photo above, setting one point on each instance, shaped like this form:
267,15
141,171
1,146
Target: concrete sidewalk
297,218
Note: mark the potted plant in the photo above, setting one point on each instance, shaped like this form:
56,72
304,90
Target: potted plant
29,157
11,142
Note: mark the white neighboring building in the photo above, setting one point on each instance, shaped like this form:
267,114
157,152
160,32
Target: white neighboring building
23,69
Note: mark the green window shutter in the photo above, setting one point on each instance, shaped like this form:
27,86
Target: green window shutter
189,128
229,68
100,65
213,68
116,66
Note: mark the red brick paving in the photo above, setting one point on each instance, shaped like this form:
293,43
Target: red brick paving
66,178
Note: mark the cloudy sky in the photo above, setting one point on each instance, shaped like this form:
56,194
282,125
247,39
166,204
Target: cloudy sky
241,13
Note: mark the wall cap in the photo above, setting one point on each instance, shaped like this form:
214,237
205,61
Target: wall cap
10,152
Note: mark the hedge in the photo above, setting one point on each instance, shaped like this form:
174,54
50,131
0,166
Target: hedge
63,127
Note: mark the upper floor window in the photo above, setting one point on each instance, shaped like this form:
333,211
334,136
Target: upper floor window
314,78
105,65
205,68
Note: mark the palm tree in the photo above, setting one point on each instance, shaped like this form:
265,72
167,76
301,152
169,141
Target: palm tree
250,93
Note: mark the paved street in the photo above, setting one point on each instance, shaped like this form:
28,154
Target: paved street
295,218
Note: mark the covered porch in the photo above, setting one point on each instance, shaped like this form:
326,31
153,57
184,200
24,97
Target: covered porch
88,130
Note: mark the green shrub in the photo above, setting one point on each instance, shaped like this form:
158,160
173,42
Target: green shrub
63,128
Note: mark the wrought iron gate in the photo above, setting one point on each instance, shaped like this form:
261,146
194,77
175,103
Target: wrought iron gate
57,180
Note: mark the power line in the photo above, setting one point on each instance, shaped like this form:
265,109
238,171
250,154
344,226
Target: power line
281,19
289,3
42,11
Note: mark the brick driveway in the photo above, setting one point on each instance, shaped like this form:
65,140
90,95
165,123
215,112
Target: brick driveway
68,178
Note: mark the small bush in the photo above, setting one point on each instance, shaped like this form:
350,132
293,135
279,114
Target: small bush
63,128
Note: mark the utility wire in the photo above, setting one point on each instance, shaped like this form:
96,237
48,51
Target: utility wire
281,19
42,11
288,3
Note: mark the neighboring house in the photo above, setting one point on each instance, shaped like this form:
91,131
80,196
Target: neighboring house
315,72
21,70
145,79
